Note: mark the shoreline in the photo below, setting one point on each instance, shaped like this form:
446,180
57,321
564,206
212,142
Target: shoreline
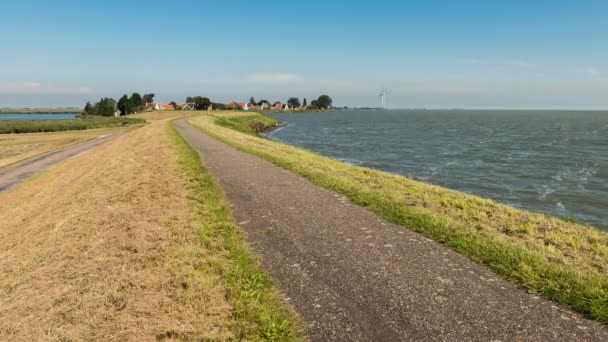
279,124
319,231
479,161
560,260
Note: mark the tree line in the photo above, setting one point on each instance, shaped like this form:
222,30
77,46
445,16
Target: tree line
136,103
322,102
126,105
204,103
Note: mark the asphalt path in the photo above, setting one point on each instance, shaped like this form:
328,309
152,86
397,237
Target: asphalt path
12,175
352,276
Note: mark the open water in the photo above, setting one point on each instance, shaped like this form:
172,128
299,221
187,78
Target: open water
553,162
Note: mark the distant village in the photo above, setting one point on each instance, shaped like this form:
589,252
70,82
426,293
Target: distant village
205,104
231,106
137,103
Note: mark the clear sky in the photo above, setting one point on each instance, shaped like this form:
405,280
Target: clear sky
434,54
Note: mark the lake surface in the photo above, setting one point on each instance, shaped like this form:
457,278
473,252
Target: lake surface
554,162
41,116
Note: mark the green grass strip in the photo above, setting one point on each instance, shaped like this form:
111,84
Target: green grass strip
250,124
259,311
559,260
39,126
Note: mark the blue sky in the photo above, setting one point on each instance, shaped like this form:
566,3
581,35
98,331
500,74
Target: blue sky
434,54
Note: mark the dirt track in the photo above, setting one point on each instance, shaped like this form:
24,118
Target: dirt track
353,276
14,174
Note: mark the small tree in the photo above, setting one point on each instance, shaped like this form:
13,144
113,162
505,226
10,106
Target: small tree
88,109
252,101
175,106
201,103
125,105
148,98
324,102
189,99
105,107
293,102
304,103
137,102
220,106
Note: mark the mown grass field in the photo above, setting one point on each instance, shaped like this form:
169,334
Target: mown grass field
40,126
131,241
560,260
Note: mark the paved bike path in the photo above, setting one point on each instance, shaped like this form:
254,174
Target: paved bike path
353,276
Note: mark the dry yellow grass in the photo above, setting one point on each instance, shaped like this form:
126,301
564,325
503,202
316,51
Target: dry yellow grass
102,248
17,147
162,115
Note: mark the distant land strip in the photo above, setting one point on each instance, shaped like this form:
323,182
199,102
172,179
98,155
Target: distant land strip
39,110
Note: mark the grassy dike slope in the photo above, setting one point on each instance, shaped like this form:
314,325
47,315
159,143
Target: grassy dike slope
563,261
131,241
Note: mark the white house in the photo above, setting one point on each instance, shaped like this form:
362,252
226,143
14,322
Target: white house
153,106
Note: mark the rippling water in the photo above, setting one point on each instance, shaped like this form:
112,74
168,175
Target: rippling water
546,161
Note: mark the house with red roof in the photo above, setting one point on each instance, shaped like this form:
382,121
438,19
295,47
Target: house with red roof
238,105
232,105
153,106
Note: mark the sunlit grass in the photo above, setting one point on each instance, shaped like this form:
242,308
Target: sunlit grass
250,124
38,126
259,312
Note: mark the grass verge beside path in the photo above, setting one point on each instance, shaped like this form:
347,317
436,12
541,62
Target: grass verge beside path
250,124
562,261
39,126
259,312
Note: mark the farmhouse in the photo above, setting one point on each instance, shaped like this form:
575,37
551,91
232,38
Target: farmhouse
238,105
153,106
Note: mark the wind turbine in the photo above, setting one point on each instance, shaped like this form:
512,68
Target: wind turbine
382,97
